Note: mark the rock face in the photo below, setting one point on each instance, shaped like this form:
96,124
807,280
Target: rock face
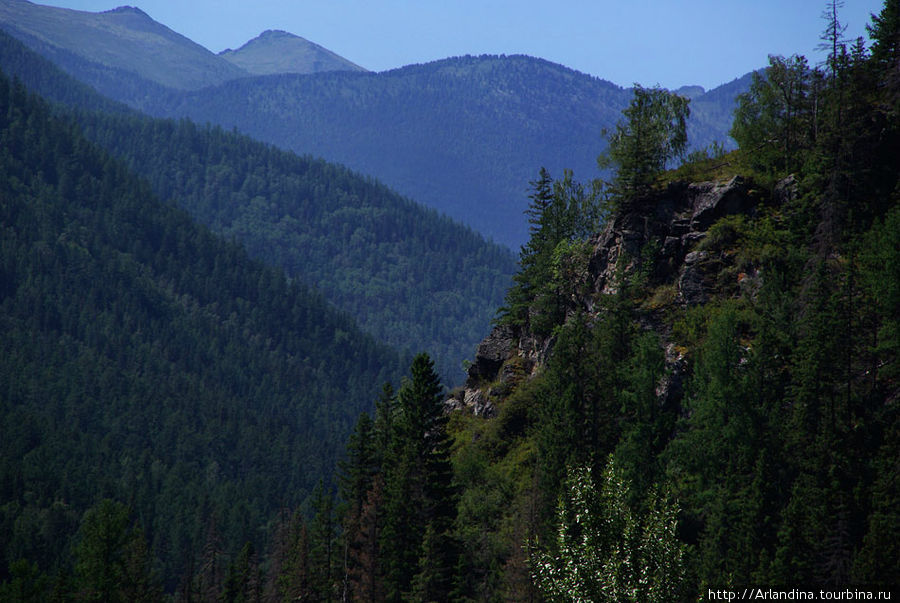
491,353
659,236
673,222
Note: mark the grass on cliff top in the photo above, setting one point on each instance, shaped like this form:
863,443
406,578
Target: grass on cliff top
705,168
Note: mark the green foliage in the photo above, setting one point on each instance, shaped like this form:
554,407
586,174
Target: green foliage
419,554
553,265
653,133
112,561
776,121
881,276
147,361
605,550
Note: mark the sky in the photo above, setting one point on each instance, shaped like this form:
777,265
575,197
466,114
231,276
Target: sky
666,42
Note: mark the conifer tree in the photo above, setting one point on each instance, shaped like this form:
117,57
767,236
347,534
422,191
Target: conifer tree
419,496
776,120
112,560
322,537
562,214
653,133
357,472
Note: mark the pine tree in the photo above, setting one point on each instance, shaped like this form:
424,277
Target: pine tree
112,560
552,265
653,133
296,581
357,473
776,121
419,495
322,538
242,583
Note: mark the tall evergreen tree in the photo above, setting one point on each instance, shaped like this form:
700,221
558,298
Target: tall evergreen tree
417,543
562,214
653,133
112,560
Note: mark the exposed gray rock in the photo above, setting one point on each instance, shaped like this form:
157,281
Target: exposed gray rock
714,200
691,239
674,220
695,256
471,400
697,278
785,190
670,388
491,353
480,404
671,247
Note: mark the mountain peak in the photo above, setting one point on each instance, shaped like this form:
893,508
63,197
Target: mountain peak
126,10
124,38
691,91
277,51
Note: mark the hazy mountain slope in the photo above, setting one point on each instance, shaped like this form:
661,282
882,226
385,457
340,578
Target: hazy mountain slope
124,38
146,360
713,112
43,75
407,275
275,51
463,135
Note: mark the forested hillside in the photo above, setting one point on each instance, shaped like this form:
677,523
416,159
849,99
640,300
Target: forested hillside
147,362
459,135
702,396
414,279
692,385
124,40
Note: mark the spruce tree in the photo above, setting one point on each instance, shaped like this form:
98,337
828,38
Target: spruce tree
420,504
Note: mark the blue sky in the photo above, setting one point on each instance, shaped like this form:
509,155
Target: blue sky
665,42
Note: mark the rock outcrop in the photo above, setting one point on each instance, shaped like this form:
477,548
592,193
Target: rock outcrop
664,230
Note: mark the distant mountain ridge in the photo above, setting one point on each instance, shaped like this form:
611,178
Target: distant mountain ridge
128,39
462,135
276,51
408,275
124,38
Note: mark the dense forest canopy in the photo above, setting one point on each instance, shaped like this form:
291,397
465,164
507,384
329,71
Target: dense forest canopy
147,361
409,276
701,395
713,407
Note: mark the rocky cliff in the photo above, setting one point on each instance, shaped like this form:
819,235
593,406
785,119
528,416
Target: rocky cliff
670,231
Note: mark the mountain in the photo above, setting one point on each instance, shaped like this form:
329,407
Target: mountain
148,361
713,111
690,92
124,39
275,51
463,135
409,276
